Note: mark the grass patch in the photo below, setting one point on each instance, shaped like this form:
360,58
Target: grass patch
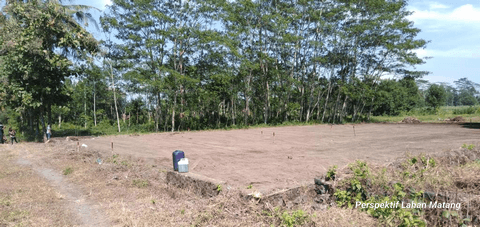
140,183
295,218
68,171
429,115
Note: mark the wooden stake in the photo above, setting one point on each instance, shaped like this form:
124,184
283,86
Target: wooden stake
78,146
354,134
112,147
273,137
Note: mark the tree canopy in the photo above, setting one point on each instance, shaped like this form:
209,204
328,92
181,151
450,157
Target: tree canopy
41,46
179,65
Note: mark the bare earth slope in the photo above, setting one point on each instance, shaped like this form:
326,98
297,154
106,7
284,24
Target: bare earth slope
294,156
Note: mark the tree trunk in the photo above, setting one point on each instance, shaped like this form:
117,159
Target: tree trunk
329,89
49,113
94,105
85,105
173,111
115,97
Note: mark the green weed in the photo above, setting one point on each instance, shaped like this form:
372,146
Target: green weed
140,183
331,173
469,146
67,171
296,218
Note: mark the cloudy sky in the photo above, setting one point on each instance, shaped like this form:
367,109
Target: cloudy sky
453,28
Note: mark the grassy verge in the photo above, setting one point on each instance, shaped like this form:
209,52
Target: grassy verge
26,199
424,190
427,115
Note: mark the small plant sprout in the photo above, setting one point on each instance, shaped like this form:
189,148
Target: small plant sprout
67,171
332,171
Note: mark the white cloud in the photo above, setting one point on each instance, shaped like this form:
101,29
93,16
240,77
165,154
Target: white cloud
465,13
440,79
106,3
436,5
472,52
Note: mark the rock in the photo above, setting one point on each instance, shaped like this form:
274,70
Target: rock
299,200
317,206
322,198
458,119
411,120
322,186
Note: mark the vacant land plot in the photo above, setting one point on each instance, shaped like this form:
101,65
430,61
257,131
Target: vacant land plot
275,158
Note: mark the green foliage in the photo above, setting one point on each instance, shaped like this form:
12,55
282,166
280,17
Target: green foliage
219,188
469,146
41,45
466,110
140,183
67,171
374,188
394,97
267,65
436,96
332,172
295,218
356,189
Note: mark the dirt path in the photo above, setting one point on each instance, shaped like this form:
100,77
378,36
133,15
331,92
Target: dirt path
88,214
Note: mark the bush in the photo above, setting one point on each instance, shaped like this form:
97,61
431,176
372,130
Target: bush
465,110
296,218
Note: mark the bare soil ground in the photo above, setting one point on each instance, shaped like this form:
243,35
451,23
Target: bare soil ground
121,191
294,156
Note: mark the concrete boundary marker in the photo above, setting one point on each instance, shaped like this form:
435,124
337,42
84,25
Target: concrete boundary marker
290,197
208,187
200,185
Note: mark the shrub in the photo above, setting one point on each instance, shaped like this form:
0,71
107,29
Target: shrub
296,218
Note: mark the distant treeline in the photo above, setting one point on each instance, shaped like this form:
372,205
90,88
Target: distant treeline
199,64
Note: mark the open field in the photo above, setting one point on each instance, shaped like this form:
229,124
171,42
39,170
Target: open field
55,184
58,184
293,157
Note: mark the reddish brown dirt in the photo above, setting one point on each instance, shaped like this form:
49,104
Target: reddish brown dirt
294,157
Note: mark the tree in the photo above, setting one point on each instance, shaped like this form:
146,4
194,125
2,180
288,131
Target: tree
33,71
436,96
465,98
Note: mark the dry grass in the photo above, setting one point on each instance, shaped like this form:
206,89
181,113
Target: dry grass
118,187
133,192
26,199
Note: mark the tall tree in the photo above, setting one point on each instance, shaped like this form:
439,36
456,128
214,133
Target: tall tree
32,68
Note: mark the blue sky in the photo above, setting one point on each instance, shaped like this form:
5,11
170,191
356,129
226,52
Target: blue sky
453,28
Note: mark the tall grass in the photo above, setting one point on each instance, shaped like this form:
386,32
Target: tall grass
431,115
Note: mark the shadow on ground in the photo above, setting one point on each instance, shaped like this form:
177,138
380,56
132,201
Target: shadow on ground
471,125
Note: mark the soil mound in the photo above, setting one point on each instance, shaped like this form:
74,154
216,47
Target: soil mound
456,119
411,120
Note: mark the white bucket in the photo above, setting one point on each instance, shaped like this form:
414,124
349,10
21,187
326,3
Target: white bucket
183,165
